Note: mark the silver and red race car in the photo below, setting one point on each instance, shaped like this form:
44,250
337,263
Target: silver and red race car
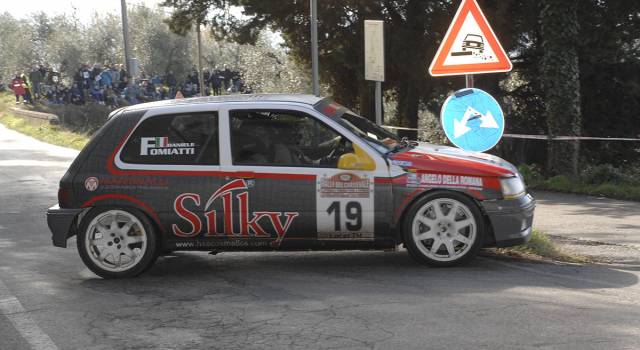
277,172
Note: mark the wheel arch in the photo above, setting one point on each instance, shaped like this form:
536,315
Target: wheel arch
399,224
128,202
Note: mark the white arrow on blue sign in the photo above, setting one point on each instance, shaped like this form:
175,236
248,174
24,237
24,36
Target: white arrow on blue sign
472,120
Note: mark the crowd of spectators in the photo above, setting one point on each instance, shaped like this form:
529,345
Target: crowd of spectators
113,86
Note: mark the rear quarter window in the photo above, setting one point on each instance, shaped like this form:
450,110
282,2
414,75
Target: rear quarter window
176,139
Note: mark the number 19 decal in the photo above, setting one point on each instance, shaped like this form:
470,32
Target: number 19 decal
344,207
353,214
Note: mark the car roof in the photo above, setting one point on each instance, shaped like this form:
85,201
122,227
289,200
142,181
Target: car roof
293,98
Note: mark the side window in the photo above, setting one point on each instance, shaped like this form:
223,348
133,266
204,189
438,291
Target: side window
284,138
177,139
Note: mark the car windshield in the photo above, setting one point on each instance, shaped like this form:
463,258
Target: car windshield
473,37
379,138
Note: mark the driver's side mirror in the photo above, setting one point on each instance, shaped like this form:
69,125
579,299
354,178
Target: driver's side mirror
358,160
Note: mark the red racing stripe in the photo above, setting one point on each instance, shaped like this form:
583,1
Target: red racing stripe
136,201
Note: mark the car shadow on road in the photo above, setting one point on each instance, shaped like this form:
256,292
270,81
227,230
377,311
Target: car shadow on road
363,272
363,297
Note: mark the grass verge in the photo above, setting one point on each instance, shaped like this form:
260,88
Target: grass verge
601,180
606,189
47,133
540,247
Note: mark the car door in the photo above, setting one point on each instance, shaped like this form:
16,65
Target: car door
171,160
283,161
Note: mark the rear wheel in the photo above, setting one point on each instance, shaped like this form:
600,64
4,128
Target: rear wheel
443,229
116,242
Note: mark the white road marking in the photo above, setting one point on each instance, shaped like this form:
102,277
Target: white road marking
11,308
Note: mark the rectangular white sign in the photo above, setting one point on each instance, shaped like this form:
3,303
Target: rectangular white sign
374,50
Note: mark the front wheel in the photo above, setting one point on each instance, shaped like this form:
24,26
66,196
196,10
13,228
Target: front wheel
116,242
443,229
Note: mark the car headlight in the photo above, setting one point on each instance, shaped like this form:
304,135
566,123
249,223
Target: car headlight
512,187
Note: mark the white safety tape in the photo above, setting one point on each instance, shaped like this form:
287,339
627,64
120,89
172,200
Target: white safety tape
539,137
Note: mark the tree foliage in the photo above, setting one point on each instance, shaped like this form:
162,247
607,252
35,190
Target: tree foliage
605,44
64,43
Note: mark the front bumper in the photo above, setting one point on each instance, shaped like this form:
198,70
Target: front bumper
60,221
511,220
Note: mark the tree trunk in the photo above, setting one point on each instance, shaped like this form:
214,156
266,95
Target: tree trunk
407,112
561,82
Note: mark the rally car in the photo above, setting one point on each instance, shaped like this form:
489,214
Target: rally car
277,172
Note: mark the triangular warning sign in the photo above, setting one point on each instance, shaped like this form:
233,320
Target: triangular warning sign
470,46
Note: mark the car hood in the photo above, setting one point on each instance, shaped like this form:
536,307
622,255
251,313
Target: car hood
426,157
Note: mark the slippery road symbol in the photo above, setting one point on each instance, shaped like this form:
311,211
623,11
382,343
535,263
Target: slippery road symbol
487,120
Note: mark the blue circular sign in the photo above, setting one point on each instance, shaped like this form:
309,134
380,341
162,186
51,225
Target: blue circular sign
472,120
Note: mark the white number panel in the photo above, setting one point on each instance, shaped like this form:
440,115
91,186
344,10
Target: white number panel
345,206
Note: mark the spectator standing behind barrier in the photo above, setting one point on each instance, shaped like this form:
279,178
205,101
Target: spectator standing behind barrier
43,72
105,78
36,78
18,88
27,88
216,81
227,74
235,81
114,74
86,77
206,76
124,78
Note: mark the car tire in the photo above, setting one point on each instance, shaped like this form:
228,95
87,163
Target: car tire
108,235
443,229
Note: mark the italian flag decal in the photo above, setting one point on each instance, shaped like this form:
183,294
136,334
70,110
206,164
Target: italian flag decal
162,141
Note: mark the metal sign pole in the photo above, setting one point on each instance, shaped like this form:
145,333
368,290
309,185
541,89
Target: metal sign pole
314,47
379,103
468,79
200,73
125,34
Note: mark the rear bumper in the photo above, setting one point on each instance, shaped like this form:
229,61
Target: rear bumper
511,220
60,221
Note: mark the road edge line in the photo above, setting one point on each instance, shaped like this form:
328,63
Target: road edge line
12,309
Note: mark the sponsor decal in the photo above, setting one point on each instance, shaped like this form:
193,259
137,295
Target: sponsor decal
444,180
345,185
226,243
267,225
401,163
128,182
345,207
160,146
91,184
345,236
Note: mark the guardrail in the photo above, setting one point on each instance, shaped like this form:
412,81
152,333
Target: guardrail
36,116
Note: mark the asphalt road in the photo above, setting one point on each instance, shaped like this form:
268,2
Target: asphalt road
589,218
382,300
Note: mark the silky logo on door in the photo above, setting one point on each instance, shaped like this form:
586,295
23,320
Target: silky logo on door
260,224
